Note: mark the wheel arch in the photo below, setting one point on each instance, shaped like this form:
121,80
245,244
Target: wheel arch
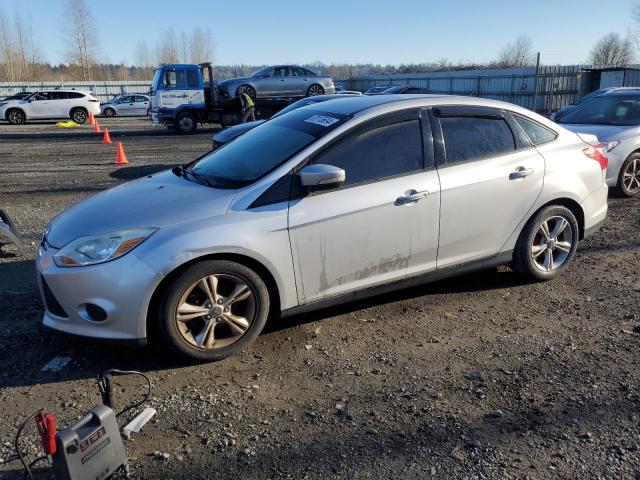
79,107
247,261
567,202
6,113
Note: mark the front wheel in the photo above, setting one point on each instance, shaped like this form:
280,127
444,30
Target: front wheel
547,243
109,112
629,177
213,310
186,123
314,90
16,117
248,89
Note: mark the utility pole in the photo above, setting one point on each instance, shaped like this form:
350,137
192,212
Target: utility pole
535,88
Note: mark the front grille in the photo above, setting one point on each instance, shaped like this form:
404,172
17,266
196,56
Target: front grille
50,301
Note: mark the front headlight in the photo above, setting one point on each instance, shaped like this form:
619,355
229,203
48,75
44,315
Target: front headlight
85,251
611,145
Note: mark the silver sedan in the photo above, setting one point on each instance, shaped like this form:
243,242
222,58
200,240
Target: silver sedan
328,203
278,81
126,105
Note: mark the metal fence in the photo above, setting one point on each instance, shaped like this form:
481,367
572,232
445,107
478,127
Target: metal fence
103,90
545,89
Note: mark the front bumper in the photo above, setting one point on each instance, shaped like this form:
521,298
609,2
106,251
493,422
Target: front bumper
122,288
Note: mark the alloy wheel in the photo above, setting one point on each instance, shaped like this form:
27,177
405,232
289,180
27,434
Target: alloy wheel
15,117
216,311
631,177
315,90
79,116
552,242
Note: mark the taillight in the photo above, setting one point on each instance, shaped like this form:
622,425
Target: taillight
597,153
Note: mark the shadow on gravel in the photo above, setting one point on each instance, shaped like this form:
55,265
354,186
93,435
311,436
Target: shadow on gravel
28,345
475,282
131,173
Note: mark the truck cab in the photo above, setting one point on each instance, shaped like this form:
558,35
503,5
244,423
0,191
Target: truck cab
182,95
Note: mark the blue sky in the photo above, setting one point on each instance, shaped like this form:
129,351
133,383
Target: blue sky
351,31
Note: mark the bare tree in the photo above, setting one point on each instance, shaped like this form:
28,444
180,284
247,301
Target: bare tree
142,57
82,38
7,49
612,49
201,46
167,49
517,54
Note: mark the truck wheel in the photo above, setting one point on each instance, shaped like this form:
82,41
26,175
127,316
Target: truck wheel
186,123
248,89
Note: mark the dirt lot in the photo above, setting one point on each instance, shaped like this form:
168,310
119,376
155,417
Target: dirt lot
483,376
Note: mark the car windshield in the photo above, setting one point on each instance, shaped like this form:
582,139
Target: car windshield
260,72
607,110
264,148
394,89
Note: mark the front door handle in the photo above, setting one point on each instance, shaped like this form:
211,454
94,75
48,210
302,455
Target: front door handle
521,172
411,196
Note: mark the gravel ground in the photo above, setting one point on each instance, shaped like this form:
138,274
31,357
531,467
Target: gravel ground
482,376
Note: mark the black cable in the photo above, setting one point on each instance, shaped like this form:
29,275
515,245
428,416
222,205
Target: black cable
103,385
39,459
27,470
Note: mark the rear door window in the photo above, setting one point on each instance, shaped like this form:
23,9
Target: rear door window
75,95
474,138
377,152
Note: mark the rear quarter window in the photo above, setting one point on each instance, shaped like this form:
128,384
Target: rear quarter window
536,132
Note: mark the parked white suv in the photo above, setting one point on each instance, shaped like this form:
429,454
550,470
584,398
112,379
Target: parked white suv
51,104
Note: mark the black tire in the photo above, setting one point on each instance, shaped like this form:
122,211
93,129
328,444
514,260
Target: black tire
16,116
79,115
167,323
629,186
248,89
523,255
186,123
314,90
109,112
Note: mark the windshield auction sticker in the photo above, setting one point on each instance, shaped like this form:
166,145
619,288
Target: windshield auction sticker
322,120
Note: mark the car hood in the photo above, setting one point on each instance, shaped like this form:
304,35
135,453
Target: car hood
235,80
230,133
158,200
604,133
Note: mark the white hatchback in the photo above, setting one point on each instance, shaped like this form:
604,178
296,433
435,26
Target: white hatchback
51,104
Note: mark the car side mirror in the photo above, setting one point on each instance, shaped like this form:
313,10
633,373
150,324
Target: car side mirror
321,177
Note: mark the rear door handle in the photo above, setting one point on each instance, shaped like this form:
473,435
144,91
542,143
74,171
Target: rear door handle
521,172
411,196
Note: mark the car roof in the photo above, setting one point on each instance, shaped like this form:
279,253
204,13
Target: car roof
61,90
624,91
361,103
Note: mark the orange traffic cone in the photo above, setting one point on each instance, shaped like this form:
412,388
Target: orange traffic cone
106,139
96,127
92,120
121,158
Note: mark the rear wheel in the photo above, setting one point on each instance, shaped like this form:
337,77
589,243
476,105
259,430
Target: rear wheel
248,89
16,117
213,310
186,123
109,112
314,90
78,115
547,243
629,177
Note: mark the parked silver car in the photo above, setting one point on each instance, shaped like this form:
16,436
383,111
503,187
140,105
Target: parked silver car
129,104
278,81
615,119
328,203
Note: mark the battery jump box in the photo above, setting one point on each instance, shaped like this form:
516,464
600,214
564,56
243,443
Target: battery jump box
91,449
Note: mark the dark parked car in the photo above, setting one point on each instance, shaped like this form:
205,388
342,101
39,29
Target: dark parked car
378,89
560,114
228,134
406,89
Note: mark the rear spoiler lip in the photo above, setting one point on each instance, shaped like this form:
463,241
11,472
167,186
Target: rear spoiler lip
589,139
